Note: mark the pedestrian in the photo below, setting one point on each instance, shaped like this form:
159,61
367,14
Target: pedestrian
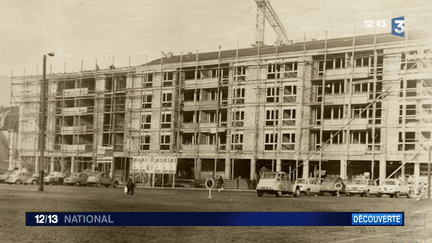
220,182
130,185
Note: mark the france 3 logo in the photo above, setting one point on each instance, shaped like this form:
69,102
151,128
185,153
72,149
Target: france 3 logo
398,26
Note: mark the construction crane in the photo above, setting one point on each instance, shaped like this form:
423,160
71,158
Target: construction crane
266,11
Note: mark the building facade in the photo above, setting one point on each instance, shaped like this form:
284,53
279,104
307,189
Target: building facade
341,107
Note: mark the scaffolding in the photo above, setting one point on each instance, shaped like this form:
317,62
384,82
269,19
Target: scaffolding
125,109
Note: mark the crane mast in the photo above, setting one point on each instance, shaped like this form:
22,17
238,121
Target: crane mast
266,11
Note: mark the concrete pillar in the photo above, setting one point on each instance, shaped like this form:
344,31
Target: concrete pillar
253,169
416,173
51,160
111,169
343,169
278,165
382,171
305,169
72,165
198,165
228,168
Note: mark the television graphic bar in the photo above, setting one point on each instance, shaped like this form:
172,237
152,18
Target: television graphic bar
215,219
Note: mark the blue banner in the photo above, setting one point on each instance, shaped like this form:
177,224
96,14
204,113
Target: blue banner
214,219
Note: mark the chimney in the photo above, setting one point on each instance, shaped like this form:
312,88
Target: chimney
314,39
190,53
169,54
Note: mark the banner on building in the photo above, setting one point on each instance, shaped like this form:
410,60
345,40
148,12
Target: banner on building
157,164
105,154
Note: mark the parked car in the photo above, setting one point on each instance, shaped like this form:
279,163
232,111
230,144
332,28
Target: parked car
18,178
99,178
307,186
5,176
394,188
276,183
58,178
332,185
77,179
34,180
364,187
47,179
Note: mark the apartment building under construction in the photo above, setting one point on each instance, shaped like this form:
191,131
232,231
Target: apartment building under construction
344,106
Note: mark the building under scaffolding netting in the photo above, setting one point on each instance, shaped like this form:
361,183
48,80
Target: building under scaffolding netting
341,106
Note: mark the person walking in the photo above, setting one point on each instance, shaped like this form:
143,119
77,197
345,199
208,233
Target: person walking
130,185
220,182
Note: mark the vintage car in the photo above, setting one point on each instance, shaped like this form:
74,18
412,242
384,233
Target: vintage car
276,183
394,188
364,187
58,178
99,178
47,179
307,186
34,180
18,178
332,185
77,179
5,176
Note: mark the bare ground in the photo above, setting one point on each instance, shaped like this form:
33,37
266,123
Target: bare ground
15,201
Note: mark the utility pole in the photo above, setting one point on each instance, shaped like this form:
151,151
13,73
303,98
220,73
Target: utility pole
429,172
42,125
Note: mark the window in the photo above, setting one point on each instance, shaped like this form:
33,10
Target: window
237,141
238,118
335,63
273,94
239,96
289,116
407,141
410,90
165,142
166,100
290,92
288,141
168,79
290,70
410,114
333,137
148,80
333,112
362,61
273,71
357,111
145,121
270,142
147,101
207,139
166,120
335,88
240,74
145,142
272,117
358,137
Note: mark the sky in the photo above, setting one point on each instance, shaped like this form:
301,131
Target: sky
83,32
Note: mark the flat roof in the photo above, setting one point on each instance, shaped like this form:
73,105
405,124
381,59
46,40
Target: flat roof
296,47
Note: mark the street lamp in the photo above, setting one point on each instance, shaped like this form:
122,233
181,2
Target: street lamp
42,124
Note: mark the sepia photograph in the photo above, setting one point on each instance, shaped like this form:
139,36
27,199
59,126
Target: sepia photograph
215,121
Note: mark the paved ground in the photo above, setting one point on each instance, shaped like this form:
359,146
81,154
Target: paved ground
16,200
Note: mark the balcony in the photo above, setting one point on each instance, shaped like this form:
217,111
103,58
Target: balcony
204,148
327,123
75,129
74,111
75,147
204,83
353,149
75,92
